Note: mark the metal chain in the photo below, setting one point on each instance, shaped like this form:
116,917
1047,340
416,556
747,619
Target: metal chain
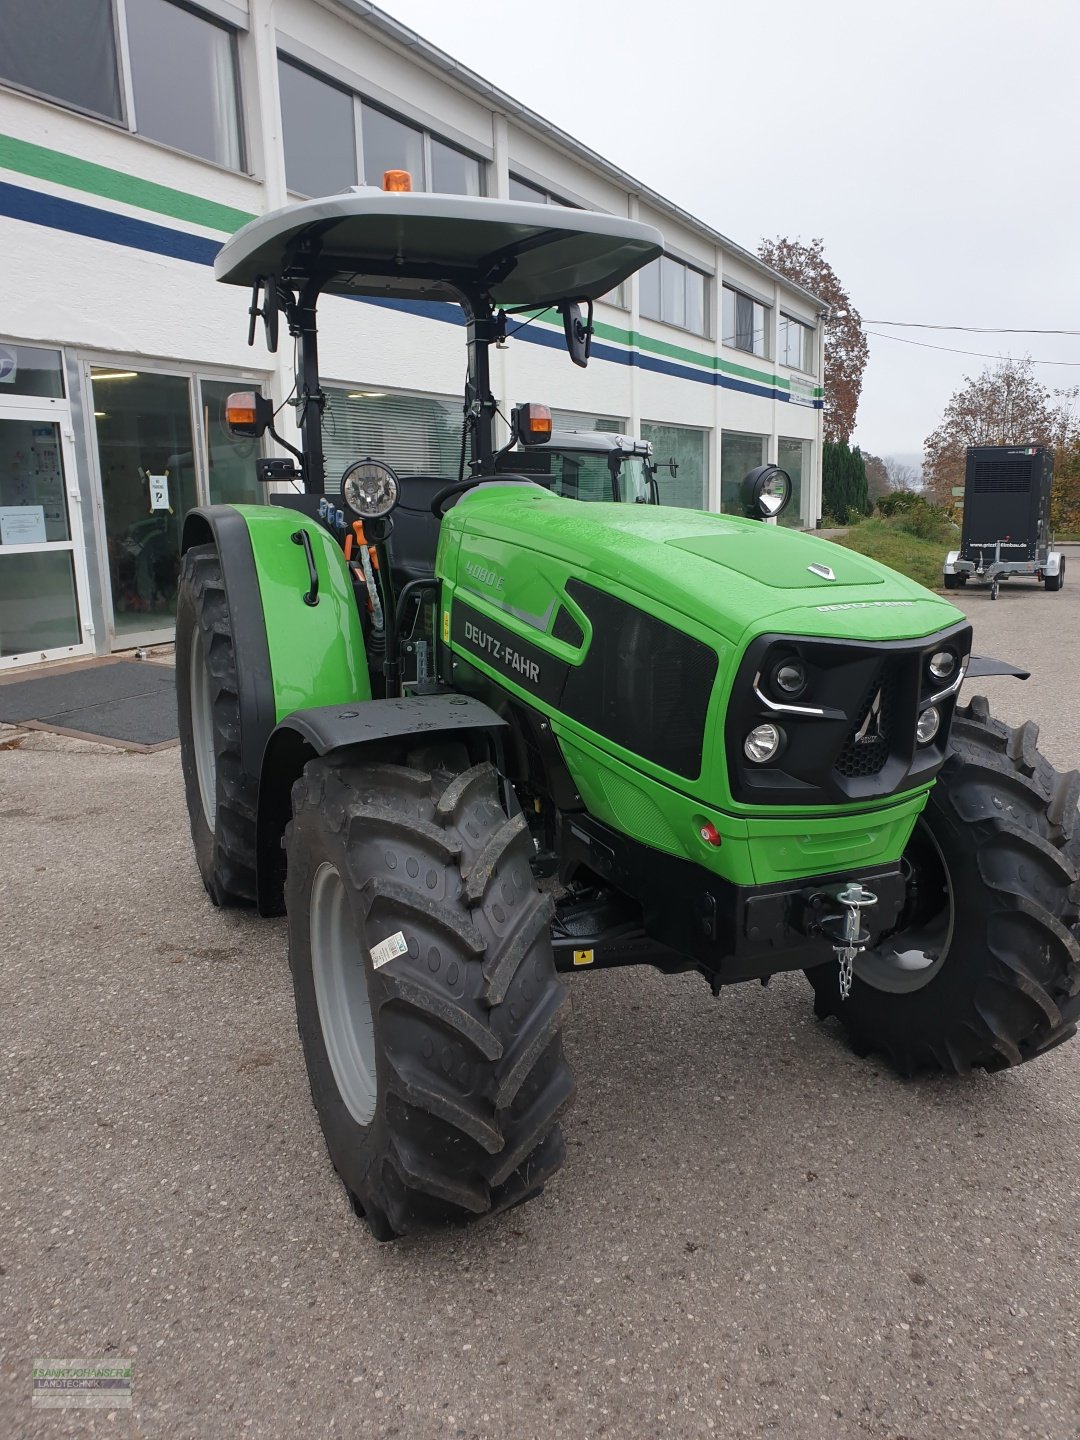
846,955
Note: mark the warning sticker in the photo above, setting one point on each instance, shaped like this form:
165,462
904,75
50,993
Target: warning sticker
388,950
583,957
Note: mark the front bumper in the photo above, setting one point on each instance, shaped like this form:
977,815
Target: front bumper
680,916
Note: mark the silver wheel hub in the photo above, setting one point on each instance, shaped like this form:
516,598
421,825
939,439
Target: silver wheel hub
341,994
202,730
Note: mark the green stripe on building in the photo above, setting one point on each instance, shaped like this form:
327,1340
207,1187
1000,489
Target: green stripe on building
99,180
43,164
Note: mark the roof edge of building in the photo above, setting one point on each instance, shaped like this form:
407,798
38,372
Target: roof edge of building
407,39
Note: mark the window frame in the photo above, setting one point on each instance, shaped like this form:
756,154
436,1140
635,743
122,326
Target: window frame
661,319
127,82
301,58
215,12
767,327
808,346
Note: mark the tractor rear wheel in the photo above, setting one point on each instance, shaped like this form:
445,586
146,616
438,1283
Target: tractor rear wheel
426,994
983,969
221,808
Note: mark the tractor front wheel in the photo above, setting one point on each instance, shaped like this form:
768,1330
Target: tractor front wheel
221,808
426,994
983,969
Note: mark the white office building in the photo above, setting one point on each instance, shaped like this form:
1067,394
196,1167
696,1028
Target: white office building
135,135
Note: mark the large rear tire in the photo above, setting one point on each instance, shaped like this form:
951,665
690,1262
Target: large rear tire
984,968
426,994
221,807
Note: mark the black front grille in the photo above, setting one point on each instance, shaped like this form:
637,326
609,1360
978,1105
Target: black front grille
869,740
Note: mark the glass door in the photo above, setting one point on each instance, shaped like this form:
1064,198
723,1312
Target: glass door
148,472
44,613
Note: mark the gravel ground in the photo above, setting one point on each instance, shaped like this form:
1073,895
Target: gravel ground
756,1233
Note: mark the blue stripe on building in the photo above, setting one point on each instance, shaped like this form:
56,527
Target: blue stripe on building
35,207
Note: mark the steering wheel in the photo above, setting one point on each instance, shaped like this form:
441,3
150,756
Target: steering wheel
439,499
438,503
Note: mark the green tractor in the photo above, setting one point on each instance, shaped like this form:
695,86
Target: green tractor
470,734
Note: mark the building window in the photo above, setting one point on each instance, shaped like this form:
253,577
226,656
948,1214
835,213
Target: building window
526,190
64,49
794,457
689,448
739,454
317,122
321,122
185,81
415,434
581,420
796,344
745,323
673,293
183,68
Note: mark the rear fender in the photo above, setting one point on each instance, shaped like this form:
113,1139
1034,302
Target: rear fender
369,731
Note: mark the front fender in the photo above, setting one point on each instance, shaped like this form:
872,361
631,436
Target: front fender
334,729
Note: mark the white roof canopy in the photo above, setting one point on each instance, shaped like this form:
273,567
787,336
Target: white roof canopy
413,245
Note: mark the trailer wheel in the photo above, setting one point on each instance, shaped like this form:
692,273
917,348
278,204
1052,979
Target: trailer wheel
426,994
983,969
221,810
1055,582
954,582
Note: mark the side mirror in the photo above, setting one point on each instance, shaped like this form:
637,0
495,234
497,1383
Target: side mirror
578,332
531,424
766,491
249,413
266,287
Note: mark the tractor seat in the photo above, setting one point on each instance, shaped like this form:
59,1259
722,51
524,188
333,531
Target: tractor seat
416,530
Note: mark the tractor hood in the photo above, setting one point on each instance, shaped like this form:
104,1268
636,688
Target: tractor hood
735,576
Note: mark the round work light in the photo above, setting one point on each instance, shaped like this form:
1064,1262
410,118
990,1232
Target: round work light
763,743
943,664
370,488
929,723
766,491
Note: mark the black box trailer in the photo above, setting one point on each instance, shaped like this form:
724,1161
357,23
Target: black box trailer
1006,522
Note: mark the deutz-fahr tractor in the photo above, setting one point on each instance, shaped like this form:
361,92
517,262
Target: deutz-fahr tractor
470,734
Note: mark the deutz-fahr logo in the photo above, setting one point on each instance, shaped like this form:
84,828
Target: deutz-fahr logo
870,731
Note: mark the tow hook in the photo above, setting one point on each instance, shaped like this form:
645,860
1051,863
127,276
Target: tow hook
847,932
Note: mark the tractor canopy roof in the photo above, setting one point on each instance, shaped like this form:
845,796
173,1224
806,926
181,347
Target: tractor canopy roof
412,245
595,442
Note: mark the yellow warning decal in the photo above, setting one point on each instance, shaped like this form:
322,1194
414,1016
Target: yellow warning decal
583,957
446,627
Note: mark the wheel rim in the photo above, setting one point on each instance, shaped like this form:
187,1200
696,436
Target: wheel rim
341,995
915,952
202,730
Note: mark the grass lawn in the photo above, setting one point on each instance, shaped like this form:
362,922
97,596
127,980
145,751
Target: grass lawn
888,541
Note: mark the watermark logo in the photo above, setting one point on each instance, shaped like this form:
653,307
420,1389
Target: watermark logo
9,365
81,1384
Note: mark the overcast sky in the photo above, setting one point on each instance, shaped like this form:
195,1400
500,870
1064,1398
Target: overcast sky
934,144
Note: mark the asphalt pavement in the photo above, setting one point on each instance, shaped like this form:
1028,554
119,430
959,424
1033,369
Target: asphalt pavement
755,1233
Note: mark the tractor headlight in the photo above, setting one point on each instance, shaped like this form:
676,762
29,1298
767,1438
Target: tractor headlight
763,743
929,724
942,664
371,489
789,677
765,491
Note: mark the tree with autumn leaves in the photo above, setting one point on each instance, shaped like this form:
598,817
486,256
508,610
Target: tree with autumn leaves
1006,405
846,350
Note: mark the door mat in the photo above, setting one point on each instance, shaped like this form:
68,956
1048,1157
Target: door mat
123,702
